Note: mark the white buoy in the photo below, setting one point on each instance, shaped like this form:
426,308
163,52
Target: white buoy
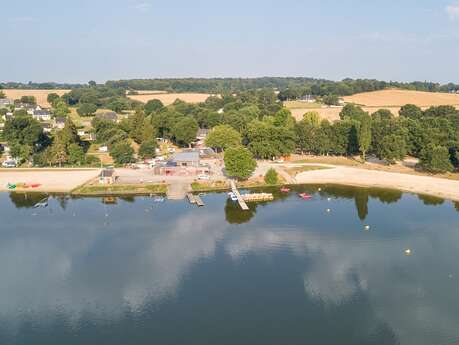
320,189
408,252
328,210
367,227
328,199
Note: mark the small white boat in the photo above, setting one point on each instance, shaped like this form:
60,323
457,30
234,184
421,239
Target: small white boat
232,196
158,199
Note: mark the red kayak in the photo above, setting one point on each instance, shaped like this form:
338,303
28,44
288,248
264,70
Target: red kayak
305,196
35,185
285,190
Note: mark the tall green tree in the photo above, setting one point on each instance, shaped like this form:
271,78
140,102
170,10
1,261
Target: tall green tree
239,163
364,135
185,131
222,137
152,106
148,149
122,153
392,148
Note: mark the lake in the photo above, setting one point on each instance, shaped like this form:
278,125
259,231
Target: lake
350,266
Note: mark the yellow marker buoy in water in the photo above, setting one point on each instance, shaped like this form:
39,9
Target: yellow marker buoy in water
408,252
367,227
320,189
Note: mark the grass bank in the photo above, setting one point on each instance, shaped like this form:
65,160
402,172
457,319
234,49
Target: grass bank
135,189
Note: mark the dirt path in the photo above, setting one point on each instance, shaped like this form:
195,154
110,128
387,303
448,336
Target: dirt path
443,188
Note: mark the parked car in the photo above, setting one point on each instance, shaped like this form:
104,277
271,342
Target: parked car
203,177
9,164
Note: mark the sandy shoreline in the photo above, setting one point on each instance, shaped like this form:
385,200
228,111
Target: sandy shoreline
442,188
66,180
50,180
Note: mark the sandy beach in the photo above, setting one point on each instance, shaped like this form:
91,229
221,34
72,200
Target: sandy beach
50,180
443,188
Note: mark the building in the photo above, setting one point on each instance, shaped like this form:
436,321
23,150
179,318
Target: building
107,176
108,116
186,159
5,102
8,116
41,115
47,127
59,123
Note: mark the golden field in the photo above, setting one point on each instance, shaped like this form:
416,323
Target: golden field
395,97
169,98
40,95
391,99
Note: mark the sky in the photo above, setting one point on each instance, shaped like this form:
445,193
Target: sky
78,41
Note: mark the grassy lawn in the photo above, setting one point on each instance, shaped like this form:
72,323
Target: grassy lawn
121,189
209,186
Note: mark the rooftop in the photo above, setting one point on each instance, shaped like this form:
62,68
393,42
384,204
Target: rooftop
186,156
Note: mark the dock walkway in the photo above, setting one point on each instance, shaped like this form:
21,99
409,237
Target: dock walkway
240,199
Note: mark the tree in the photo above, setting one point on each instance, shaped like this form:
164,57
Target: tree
365,135
436,159
312,118
23,130
392,148
185,131
239,162
87,109
2,94
330,99
122,153
29,99
153,106
382,114
271,177
266,140
52,98
222,137
59,151
411,111
76,154
69,134
61,109
352,111
148,149
92,83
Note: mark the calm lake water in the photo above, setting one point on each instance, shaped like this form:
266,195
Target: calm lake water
288,272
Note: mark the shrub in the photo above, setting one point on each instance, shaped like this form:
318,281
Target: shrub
271,177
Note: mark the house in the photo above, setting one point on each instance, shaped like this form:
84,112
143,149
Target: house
81,132
8,116
41,115
59,123
5,102
108,116
186,159
107,176
47,127
308,99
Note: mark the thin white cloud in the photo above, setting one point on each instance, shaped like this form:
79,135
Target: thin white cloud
452,11
142,6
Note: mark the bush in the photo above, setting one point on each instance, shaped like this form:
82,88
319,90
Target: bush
271,177
86,109
436,159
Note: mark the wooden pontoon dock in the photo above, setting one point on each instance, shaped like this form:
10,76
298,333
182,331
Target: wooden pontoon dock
240,200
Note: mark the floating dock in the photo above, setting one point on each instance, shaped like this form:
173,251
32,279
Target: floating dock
240,199
257,197
195,199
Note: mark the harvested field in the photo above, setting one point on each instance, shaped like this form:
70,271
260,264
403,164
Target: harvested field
40,95
398,98
169,98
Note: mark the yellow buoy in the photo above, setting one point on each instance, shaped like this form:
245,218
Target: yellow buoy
407,252
320,189
367,227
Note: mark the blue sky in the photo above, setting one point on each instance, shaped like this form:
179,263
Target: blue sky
76,41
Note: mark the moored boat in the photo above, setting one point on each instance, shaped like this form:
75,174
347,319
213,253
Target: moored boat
305,196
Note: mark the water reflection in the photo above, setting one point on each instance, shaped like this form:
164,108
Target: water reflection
285,268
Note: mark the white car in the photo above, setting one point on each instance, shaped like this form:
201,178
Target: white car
9,164
204,177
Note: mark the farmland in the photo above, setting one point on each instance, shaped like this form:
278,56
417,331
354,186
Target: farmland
40,95
390,99
394,97
169,98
